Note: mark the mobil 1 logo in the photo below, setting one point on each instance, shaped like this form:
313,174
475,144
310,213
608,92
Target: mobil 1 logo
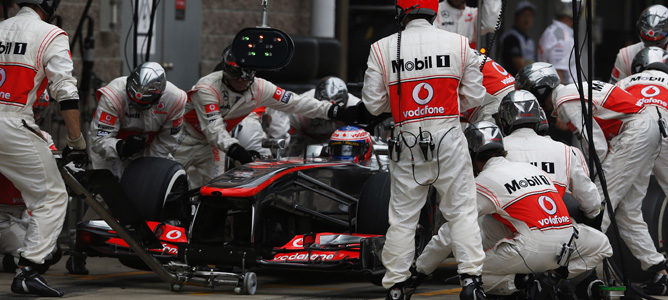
13,48
418,64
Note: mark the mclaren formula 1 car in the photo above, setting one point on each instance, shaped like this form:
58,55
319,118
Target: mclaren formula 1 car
295,213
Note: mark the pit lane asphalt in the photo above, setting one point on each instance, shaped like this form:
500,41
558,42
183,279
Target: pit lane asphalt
108,279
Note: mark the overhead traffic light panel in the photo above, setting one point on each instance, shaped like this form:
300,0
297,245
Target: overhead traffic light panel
263,48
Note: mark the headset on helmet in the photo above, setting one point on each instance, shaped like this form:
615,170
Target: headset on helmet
483,136
544,126
538,78
518,108
48,6
332,89
653,25
146,84
350,143
232,70
416,7
650,58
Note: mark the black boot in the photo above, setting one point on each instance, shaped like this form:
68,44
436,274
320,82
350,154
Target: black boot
28,281
657,286
401,291
471,288
76,264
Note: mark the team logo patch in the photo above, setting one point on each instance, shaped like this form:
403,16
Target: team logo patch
209,108
282,95
108,119
650,91
499,68
423,93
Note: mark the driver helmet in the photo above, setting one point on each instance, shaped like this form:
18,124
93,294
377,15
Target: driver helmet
47,6
332,89
483,136
653,25
232,70
416,7
350,143
517,108
650,58
538,78
146,84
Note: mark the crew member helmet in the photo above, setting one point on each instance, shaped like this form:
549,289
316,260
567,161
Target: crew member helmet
538,78
350,143
517,108
483,136
650,58
653,25
146,84
232,70
416,7
332,89
47,6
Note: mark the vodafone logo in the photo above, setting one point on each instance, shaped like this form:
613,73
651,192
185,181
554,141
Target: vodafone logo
173,235
298,243
650,91
553,206
423,93
3,76
499,68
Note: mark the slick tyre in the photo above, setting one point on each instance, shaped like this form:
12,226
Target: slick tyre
151,184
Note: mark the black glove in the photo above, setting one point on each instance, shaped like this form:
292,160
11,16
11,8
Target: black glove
596,221
131,145
471,288
240,154
348,115
78,157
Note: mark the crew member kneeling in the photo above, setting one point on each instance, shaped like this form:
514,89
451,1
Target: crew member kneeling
525,200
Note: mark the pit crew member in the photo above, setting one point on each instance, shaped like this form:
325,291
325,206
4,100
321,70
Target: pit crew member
39,54
217,103
14,220
455,16
498,83
652,31
627,140
649,84
137,115
423,76
522,198
519,114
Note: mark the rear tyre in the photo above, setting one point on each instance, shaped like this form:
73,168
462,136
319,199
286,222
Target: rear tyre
148,183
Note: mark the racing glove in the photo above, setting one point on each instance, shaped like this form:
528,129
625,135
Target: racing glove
240,154
471,288
595,221
131,145
348,115
75,151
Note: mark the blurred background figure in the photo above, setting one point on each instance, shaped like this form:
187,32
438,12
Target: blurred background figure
556,43
517,48
455,16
